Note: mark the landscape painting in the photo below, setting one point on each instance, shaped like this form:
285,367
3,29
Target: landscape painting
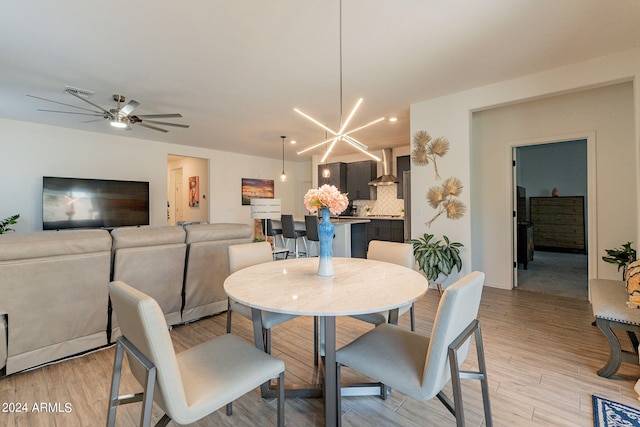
256,189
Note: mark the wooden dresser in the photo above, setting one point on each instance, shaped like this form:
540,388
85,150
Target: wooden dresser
558,223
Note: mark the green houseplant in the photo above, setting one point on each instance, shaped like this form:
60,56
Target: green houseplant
5,223
622,256
436,259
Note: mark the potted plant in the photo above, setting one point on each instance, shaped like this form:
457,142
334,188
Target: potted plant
622,257
436,259
5,223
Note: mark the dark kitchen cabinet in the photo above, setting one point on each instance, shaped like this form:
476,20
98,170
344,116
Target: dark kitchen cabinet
403,163
358,176
391,230
338,176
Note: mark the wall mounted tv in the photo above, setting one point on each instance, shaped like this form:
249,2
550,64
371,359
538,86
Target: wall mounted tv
93,203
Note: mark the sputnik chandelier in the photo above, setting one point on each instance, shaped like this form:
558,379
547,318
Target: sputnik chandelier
341,134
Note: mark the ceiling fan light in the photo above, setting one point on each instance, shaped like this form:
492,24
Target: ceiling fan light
117,123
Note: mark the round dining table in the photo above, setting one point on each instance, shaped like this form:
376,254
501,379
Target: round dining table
358,286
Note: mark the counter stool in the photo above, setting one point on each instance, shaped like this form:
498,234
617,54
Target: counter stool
273,232
311,224
289,232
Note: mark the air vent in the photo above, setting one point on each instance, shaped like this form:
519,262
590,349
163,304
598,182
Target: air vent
80,92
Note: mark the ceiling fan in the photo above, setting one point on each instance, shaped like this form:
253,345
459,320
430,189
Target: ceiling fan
120,116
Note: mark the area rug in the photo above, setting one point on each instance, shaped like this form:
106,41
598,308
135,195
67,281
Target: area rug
607,413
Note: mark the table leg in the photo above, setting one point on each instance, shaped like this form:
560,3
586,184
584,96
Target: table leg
258,339
393,316
330,380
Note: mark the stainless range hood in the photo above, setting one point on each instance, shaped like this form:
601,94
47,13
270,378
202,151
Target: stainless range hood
386,178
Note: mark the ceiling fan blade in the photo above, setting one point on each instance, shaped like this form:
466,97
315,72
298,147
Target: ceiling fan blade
152,127
159,116
127,109
62,103
107,112
96,114
155,122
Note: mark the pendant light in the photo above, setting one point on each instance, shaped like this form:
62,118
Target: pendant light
326,172
283,175
341,134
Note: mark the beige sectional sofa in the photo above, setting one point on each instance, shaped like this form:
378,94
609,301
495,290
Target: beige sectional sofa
54,284
53,288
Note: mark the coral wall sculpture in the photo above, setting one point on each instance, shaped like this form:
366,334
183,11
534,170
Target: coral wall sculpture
443,198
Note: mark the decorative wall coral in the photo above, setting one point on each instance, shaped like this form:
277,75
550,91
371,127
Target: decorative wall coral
444,198
426,149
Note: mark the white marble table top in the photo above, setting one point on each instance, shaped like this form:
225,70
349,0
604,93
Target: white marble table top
358,286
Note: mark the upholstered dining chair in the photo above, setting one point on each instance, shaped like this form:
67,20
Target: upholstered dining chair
246,255
311,226
189,385
289,232
420,366
396,253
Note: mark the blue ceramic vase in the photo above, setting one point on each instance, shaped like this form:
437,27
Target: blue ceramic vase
325,234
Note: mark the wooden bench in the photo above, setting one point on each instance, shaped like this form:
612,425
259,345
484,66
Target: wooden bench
609,301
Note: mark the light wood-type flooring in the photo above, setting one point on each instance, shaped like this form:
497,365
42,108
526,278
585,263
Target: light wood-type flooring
542,355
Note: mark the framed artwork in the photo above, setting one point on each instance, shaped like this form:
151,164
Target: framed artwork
194,191
256,189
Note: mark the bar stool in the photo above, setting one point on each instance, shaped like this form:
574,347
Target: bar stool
311,225
273,232
289,232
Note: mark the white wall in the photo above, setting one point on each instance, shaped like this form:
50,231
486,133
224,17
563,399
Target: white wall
607,111
481,166
31,151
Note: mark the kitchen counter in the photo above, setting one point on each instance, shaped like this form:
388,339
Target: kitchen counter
371,217
350,220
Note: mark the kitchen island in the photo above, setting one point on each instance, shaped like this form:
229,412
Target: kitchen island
349,241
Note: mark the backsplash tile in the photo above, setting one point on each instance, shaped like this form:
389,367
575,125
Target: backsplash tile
387,202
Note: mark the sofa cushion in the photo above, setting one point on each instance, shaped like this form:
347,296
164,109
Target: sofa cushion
151,259
17,246
135,237
221,231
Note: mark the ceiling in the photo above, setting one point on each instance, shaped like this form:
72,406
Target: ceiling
236,69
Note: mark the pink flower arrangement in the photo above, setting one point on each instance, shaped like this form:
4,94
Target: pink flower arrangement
328,196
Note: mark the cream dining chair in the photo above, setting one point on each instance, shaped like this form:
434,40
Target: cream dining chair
420,366
246,255
395,253
189,385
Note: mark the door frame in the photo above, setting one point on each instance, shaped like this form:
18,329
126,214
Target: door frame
592,220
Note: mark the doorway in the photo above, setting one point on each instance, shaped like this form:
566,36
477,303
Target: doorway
187,189
551,205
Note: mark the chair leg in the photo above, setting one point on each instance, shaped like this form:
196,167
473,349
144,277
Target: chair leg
229,316
457,374
281,400
315,340
146,396
115,385
412,315
229,409
339,396
267,340
482,367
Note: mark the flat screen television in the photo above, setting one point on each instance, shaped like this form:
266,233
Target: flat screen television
93,203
